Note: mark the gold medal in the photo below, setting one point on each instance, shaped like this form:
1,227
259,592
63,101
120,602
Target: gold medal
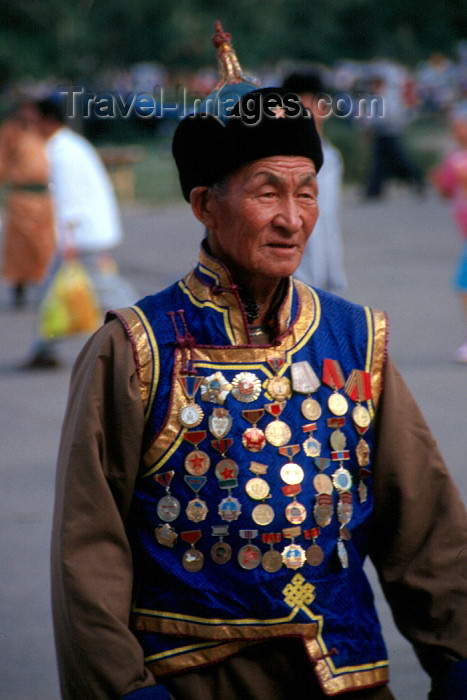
322,483
312,447
338,440
246,387
262,514
193,559
278,433
314,555
279,388
253,439
257,488
271,561
196,510
361,416
311,409
337,404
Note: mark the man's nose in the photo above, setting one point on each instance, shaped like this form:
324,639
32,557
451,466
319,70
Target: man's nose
288,217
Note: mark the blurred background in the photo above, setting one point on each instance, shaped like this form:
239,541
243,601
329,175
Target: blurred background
120,47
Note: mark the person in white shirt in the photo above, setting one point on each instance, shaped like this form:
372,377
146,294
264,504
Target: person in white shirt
87,218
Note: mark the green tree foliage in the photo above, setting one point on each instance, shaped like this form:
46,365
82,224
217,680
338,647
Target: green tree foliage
74,38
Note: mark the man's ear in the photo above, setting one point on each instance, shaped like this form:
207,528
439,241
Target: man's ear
200,200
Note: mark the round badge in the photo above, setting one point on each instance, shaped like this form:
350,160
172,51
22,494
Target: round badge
168,508
314,555
197,463
280,388
361,416
191,415
271,561
337,404
338,440
262,514
322,483
193,560
249,556
342,479
221,552
226,469
246,387
295,513
292,473
257,488
278,433
311,409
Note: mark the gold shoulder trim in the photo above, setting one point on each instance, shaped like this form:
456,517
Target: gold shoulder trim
145,350
377,350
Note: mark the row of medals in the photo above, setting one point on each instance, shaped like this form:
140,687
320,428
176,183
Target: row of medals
246,387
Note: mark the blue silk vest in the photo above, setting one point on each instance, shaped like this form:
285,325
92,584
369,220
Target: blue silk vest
193,605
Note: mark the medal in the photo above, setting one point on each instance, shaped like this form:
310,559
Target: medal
338,440
358,388
323,509
311,446
363,453
253,439
263,514
246,387
322,483
168,507
314,554
249,556
226,469
345,508
342,553
334,378
279,388
196,462
215,388
305,381
293,556
291,473
190,415
165,535
221,552
229,508
277,432
220,422
342,479
272,559
257,488
192,559
196,509
295,512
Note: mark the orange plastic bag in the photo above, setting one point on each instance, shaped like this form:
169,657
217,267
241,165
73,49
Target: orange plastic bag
70,305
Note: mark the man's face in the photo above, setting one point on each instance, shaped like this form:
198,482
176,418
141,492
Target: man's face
263,216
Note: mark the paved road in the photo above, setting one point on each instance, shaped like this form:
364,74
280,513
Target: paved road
399,257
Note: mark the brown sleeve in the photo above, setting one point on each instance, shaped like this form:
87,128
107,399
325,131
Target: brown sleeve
419,534
98,657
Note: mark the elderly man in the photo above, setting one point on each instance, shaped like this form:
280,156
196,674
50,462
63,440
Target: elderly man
235,446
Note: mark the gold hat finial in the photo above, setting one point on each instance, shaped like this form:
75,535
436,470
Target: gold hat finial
228,65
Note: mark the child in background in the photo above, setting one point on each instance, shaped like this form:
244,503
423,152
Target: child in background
450,179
